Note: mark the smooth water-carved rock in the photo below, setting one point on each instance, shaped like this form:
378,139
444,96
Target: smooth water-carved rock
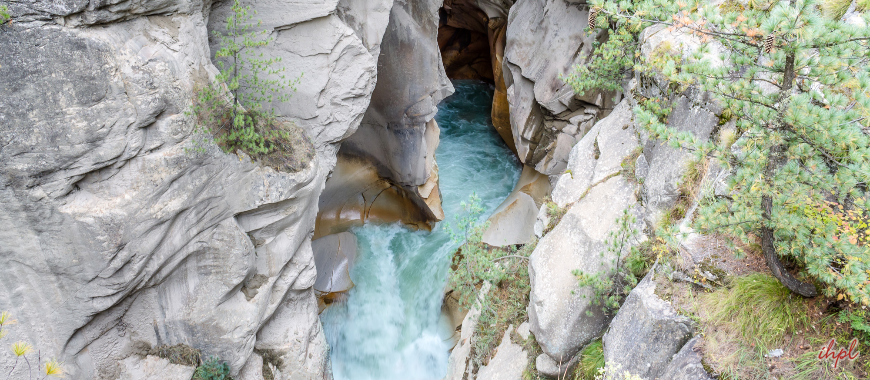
513,222
116,236
153,368
398,135
646,332
545,39
561,314
333,256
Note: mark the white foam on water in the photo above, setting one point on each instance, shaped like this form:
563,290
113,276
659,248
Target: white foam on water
390,326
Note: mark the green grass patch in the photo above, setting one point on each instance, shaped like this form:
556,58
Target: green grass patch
591,360
504,305
759,307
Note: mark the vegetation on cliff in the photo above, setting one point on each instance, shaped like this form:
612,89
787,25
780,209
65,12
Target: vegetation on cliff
236,110
797,85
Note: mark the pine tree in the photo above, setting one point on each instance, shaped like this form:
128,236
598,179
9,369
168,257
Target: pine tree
798,86
249,81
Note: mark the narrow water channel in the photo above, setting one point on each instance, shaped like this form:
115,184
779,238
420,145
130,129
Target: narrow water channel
389,327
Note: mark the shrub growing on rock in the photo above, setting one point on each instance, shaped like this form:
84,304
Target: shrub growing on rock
212,369
234,110
798,86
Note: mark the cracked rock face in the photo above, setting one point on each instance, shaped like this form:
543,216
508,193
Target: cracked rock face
545,39
116,236
646,334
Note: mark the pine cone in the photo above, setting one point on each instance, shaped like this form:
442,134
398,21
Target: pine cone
769,40
593,13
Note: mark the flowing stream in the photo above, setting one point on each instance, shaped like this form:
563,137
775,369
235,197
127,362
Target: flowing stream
390,327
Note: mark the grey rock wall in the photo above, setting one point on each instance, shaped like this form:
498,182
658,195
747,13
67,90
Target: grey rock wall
114,235
398,134
545,39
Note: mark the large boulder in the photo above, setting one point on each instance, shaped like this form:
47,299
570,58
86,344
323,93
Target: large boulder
646,333
544,40
513,221
598,156
562,315
115,234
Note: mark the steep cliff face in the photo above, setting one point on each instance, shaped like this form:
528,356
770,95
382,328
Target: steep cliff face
545,39
390,160
114,236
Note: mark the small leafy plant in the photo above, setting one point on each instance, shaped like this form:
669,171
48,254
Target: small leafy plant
610,289
4,14
212,369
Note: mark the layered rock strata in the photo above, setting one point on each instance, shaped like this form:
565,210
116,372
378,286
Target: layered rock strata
545,39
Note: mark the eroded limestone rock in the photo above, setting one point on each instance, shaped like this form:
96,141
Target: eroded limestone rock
153,368
398,135
115,235
513,222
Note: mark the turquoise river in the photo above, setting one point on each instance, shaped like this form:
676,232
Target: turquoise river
390,327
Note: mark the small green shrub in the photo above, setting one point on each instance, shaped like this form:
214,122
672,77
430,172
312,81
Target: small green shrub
609,289
859,321
232,111
212,369
4,14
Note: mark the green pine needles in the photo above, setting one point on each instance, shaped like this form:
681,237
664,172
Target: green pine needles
4,14
236,111
610,288
798,86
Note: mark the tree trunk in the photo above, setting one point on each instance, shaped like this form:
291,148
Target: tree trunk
775,160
